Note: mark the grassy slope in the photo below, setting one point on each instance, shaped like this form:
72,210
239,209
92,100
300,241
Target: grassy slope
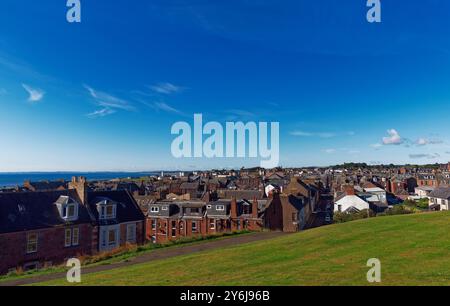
413,250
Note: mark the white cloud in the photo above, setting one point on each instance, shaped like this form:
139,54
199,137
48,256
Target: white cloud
429,156
166,88
165,107
109,104
330,151
35,94
376,145
424,141
101,113
393,139
312,134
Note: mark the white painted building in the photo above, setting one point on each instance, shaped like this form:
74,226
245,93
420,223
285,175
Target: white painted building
350,203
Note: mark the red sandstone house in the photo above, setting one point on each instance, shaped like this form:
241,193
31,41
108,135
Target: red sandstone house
292,210
39,229
174,220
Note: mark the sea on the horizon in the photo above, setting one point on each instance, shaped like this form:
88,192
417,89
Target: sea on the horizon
17,179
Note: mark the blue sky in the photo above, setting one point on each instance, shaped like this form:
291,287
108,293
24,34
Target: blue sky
103,94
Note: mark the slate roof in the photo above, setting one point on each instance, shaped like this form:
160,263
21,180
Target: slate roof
440,193
127,208
22,211
47,185
241,194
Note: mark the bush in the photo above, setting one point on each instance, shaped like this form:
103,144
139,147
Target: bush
342,217
400,210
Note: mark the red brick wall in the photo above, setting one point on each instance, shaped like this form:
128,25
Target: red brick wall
13,250
163,231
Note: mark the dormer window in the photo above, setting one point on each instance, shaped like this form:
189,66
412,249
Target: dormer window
68,208
154,209
107,209
220,207
69,211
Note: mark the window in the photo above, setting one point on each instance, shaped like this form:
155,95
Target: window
32,266
154,209
104,238
68,238
111,237
340,208
181,227
131,233
212,224
75,236
32,243
164,208
220,207
70,211
294,217
174,228
72,237
110,212
154,224
195,210
194,226
209,206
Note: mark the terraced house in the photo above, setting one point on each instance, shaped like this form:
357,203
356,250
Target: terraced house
174,220
40,229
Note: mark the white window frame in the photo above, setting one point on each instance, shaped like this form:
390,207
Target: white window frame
154,209
113,211
220,207
68,237
109,242
131,229
76,242
194,229
74,206
165,207
36,243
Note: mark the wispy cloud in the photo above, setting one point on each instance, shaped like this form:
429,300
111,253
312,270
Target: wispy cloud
313,134
376,145
34,94
162,106
166,88
109,104
425,141
393,139
330,151
421,156
101,113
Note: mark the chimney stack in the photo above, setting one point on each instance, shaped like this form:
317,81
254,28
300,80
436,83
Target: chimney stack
79,184
233,208
255,208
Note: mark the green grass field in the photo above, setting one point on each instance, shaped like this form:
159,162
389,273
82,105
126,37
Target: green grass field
413,250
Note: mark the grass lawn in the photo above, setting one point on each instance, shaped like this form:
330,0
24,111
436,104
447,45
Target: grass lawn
124,255
413,250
